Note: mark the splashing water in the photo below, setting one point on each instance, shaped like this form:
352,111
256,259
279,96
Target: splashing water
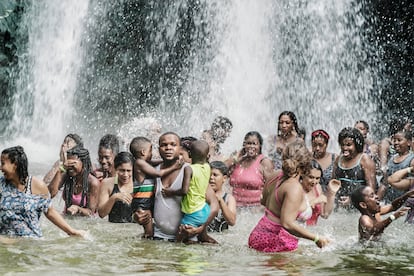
94,67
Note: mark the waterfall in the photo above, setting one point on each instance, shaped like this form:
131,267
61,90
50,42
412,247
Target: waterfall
49,64
94,67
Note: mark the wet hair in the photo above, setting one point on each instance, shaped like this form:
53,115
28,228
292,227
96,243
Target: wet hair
69,181
366,126
186,142
357,197
110,141
219,165
122,158
78,140
199,150
17,156
257,135
296,159
315,165
320,133
292,116
137,144
355,135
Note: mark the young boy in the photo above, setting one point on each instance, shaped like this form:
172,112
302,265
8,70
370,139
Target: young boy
145,179
227,202
195,184
370,224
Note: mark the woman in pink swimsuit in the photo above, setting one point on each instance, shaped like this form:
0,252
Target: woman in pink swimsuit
250,169
286,203
80,186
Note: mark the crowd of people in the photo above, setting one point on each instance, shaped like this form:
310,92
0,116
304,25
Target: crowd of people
192,188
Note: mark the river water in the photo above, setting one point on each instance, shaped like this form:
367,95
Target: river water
90,67
117,249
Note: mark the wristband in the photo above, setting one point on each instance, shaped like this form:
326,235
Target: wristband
392,217
316,239
62,168
409,170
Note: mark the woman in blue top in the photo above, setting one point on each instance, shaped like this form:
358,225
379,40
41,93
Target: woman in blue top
24,198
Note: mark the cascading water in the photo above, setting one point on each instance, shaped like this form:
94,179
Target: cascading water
93,67
48,69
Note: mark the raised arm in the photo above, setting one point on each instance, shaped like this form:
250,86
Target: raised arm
333,187
56,183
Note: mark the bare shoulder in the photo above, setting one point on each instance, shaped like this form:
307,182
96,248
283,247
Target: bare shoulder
94,181
38,186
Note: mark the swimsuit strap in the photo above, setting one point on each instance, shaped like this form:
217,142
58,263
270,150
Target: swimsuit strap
29,186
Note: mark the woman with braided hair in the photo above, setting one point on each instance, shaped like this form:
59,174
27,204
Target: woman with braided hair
24,198
80,186
71,140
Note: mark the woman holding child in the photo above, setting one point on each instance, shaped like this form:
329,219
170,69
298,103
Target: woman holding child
286,204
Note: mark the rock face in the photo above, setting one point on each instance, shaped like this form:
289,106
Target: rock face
10,14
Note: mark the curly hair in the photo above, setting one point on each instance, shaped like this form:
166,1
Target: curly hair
355,135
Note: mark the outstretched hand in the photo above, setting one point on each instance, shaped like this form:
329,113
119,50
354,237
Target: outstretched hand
334,185
400,212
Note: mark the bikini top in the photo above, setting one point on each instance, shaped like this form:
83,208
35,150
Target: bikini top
302,216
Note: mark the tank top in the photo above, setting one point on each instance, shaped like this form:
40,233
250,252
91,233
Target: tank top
195,199
247,183
350,178
219,223
391,192
327,174
120,212
167,210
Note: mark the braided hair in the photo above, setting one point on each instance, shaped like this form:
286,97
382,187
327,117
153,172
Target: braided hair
69,181
17,156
